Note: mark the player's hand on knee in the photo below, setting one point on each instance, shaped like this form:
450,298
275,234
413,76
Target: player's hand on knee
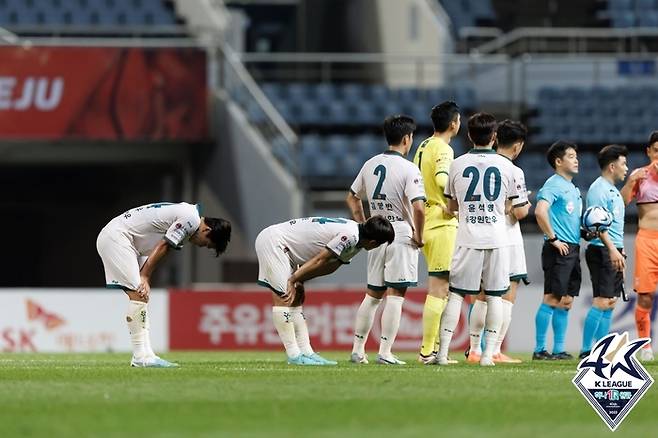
291,293
144,288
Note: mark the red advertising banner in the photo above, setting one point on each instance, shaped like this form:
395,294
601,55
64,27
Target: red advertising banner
242,320
103,93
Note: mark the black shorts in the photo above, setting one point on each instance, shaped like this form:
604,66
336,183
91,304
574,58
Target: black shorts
561,273
606,280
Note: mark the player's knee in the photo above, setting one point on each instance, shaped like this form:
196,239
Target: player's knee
611,303
645,301
566,302
376,294
396,292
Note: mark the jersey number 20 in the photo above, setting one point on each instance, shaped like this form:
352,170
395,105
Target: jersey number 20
489,193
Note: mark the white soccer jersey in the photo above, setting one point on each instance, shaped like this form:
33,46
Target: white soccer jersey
481,181
147,225
304,238
513,227
390,183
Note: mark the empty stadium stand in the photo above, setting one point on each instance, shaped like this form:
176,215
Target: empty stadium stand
596,115
23,14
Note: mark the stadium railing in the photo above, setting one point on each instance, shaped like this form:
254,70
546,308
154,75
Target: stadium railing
237,82
580,40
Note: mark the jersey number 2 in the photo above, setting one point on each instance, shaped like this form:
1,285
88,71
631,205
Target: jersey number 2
381,172
473,173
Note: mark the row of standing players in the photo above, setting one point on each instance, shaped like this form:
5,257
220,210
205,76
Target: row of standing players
464,215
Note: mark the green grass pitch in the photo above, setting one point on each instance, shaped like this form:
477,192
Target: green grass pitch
236,394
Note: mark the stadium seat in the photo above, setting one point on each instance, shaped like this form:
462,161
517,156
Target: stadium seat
648,19
620,5
352,93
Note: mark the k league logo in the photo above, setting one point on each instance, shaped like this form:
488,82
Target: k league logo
611,379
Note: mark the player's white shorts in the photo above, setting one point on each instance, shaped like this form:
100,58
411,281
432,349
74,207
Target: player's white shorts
396,264
475,268
518,269
121,260
274,265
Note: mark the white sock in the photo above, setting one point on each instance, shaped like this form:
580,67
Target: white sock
282,319
476,325
492,325
507,319
136,320
390,323
449,321
147,337
301,330
365,316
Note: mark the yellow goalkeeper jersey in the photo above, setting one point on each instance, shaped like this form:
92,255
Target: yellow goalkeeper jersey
433,157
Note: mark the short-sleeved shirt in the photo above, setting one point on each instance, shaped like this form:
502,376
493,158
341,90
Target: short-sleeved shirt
147,225
304,238
433,158
482,182
390,183
605,194
513,227
566,208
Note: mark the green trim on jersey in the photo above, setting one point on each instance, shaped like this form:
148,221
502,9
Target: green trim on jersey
419,198
463,291
267,285
401,284
390,152
481,151
496,293
440,274
376,288
116,286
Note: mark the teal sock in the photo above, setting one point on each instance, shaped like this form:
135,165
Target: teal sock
604,325
560,321
592,323
542,321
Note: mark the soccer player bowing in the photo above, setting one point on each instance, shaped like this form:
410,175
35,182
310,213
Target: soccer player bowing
394,189
293,252
605,255
480,183
132,244
558,212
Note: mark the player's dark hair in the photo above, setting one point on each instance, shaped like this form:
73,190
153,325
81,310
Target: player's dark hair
653,138
510,132
443,114
220,233
396,127
481,128
377,228
610,154
559,150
